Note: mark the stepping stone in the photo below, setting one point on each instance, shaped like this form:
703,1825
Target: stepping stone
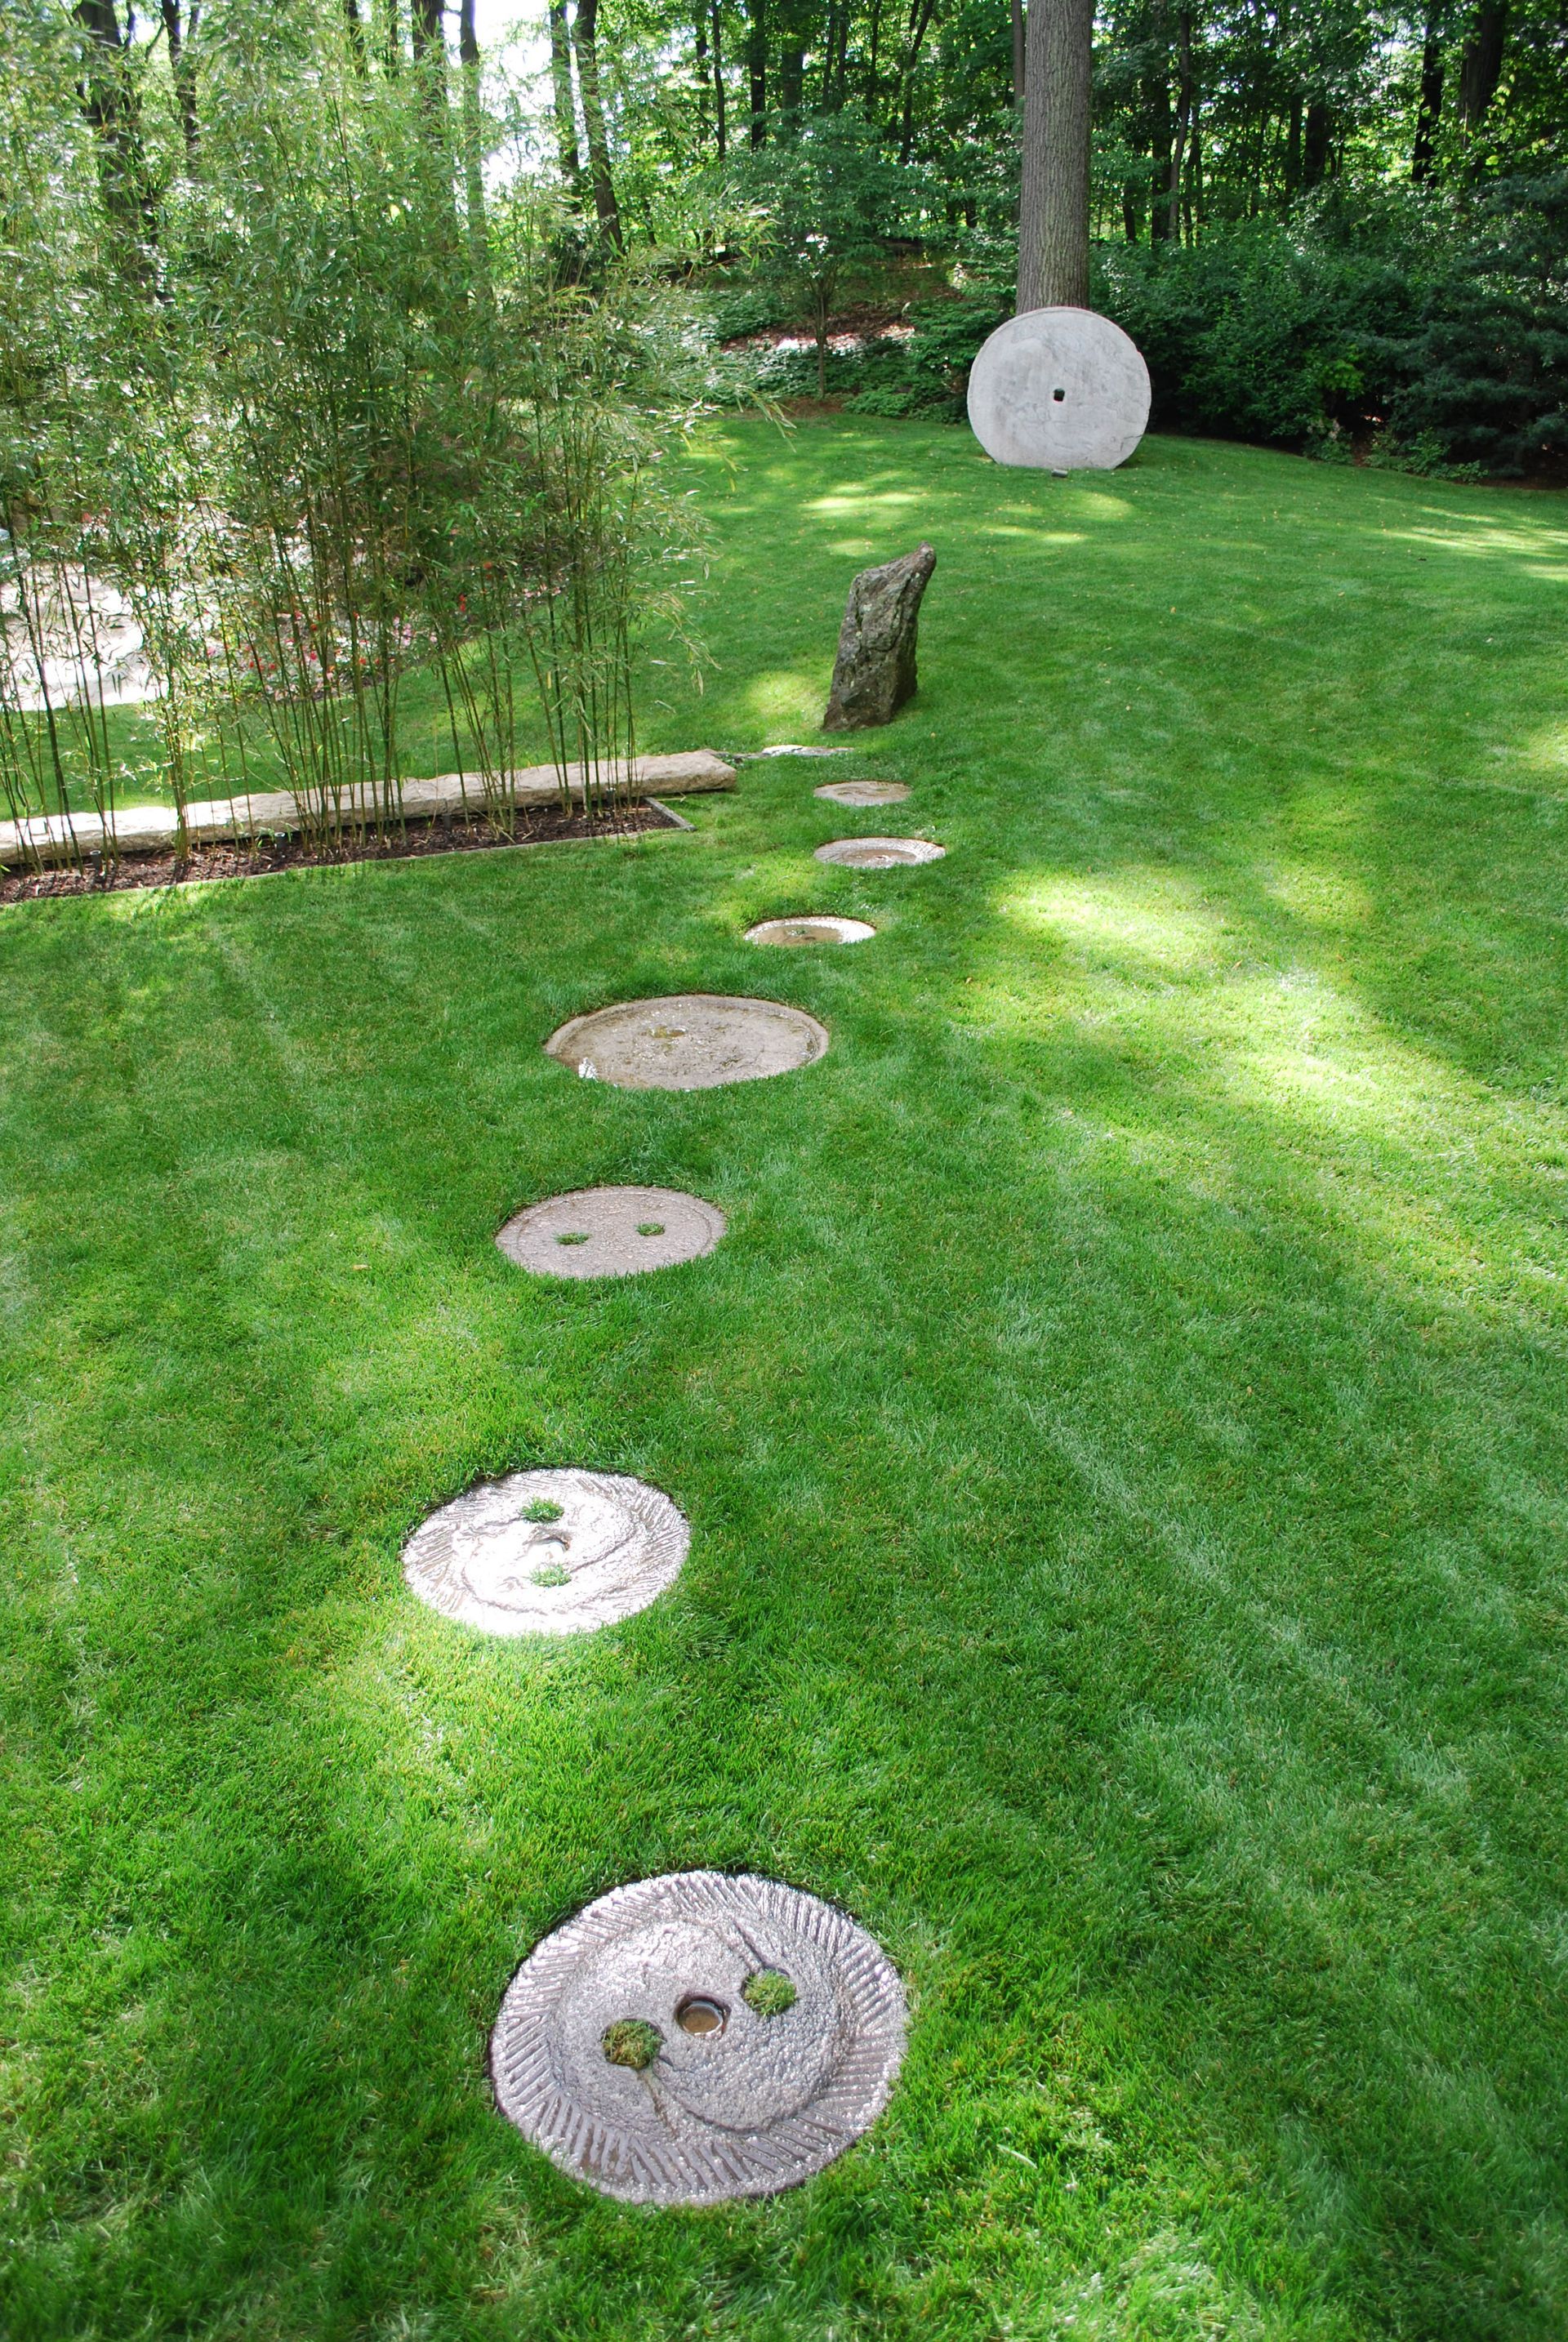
690,1041
611,1232
863,793
695,2037
880,852
791,749
547,1553
820,928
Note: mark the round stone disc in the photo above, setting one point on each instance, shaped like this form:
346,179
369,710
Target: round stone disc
863,793
547,1553
1059,390
611,1232
699,2036
691,1041
880,852
821,927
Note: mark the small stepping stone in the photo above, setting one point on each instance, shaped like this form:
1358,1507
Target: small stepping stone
547,1553
863,793
790,749
690,1041
822,929
880,852
696,2037
611,1232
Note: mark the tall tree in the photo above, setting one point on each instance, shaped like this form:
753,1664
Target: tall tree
1053,191
585,40
565,103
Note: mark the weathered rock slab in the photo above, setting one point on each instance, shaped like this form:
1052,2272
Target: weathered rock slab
875,672
699,2036
152,829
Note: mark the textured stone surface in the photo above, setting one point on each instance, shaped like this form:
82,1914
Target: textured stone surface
611,1232
151,829
748,2105
688,1041
1059,390
611,1546
879,853
826,927
863,793
875,672
793,749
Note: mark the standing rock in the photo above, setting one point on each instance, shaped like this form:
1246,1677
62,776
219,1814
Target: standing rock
874,671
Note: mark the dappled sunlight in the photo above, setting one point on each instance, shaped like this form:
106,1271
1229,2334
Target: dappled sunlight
1318,896
783,694
1151,916
1427,1177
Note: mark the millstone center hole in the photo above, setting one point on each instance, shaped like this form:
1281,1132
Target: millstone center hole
698,2014
1058,395
650,1227
576,1235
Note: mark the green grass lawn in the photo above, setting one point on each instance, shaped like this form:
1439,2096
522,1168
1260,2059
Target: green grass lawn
1123,1435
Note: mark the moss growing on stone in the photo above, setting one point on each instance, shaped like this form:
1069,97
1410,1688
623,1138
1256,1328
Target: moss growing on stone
768,1993
632,2041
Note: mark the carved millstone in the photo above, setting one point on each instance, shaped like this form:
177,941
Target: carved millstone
875,672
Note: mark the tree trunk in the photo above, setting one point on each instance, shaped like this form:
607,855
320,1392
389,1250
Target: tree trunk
585,40
356,47
1317,144
1018,52
181,72
1053,192
473,144
720,137
111,105
1293,146
1481,61
566,145
758,69
1184,109
920,18
1429,111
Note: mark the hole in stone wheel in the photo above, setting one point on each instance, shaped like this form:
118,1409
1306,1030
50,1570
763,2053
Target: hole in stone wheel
541,1509
650,1227
1058,395
632,2041
698,2014
551,1574
575,1236
769,1993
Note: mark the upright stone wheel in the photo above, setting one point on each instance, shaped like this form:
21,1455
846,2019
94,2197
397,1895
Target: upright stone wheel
1059,390
548,1552
698,2036
688,1041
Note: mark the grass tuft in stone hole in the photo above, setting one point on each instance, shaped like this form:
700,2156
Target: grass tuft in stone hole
768,1993
542,1509
577,1236
650,1227
632,2041
552,1574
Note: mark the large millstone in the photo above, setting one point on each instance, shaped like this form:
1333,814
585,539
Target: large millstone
875,672
1059,390
548,1552
688,1041
698,2036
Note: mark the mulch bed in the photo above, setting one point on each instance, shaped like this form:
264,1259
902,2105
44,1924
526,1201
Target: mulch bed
251,858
